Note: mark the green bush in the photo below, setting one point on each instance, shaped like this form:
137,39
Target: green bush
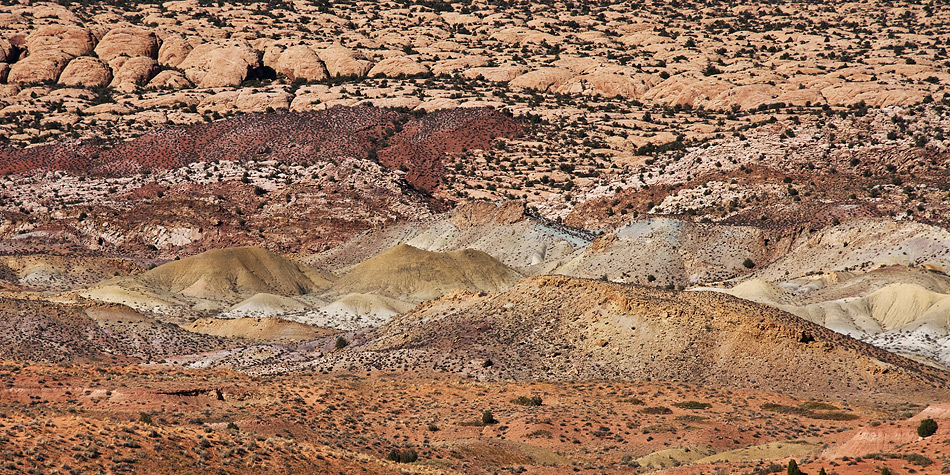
656,410
793,468
927,428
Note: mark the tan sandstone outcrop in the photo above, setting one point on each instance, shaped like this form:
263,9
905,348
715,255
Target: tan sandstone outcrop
86,71
134,72
129,42
398,66
169,79
38,67
543,79
341,61
173,51
301,62
71,40
220,64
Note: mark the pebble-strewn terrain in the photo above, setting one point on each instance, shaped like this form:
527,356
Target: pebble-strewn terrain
501,236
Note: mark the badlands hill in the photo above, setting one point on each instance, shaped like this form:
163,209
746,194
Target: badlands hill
406,272
241,271
899,309
506,230
37,330
261,329
562,328
214,281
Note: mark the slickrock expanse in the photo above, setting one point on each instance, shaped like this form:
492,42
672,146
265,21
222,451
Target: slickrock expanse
441,237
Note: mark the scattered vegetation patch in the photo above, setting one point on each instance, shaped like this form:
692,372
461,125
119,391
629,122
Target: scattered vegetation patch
817,406
402,456
692,405
811,414
527,401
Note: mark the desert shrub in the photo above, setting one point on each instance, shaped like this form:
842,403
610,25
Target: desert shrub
402,456
783,409
692,405
488,418
656,410
633,400
917,459
817,406
527,401
832,416
927,428
145,418
770,468
793,468
690,418
341,343
748,263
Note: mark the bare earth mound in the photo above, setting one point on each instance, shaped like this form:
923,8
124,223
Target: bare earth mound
408,273
266,329
228,272
562,328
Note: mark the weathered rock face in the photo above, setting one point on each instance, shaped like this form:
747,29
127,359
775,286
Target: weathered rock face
464,63
479,213
4,71
220,65
39,67
398,67
745,97
301,62
169,79
495,74
86,71
686,89
173,51
246,101
129,42
134,72
543,79
6,50
71,40
605,84
342,61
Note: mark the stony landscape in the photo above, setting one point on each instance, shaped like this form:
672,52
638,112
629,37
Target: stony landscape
426,236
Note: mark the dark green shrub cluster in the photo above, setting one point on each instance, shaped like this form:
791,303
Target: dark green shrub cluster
927,428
